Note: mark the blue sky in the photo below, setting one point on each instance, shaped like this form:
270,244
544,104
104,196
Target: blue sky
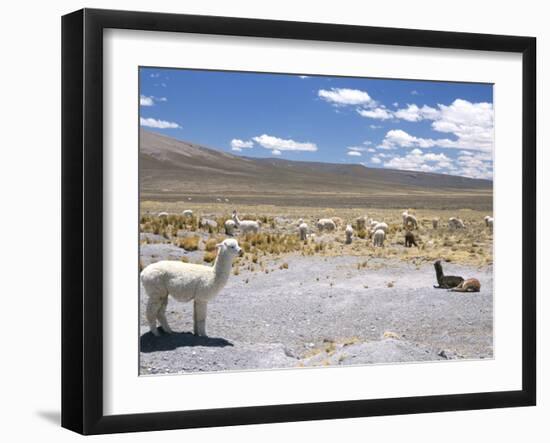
426,126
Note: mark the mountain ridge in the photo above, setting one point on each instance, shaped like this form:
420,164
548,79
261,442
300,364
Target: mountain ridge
171,168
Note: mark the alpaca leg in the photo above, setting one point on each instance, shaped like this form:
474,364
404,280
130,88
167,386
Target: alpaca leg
199,318
161,315
153,306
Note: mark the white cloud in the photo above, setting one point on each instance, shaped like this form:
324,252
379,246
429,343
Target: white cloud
413,113
303,76
345,96
146,101
155,75
356,148
354,153
159,124
238,144
367,143
475,165
371,150
280,144
276,152
399,138
415,92
377,113
396,104
417,161
470,123
375,126
375,160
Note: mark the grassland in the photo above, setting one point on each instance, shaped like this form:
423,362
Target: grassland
279,235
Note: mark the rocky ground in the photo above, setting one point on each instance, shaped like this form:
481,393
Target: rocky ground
324,311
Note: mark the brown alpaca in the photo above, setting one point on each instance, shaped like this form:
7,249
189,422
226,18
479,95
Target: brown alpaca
470,285
410,240
446,281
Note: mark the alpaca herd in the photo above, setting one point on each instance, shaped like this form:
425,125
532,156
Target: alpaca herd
330,225
186,282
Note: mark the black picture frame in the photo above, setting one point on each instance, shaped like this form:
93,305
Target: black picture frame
82,218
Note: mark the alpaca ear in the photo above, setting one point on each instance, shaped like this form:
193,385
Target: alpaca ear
220,245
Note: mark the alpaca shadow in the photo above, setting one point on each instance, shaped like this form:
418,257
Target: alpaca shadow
168,342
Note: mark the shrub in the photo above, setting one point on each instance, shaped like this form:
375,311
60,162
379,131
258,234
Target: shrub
189,243
211,244
209,256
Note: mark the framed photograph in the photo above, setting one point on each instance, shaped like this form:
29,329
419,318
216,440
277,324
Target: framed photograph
268,221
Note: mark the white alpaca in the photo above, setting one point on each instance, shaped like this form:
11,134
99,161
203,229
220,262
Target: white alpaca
378,238
303,231
349,234
404,215
373,223
326,224
208,223
409,219
435,223
489,222
186,282
455,223
187,213
163,214
383,226
229,226
246,226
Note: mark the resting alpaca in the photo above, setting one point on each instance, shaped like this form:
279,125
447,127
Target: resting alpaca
470,285
186,282
445,281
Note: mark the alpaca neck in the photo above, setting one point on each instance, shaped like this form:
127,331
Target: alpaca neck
236,219
438,272
222,267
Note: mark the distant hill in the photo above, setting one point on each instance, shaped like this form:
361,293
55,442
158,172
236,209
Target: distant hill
171,169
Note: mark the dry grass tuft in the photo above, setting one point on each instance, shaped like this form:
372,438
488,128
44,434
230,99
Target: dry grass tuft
189,243
390,334
209,256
